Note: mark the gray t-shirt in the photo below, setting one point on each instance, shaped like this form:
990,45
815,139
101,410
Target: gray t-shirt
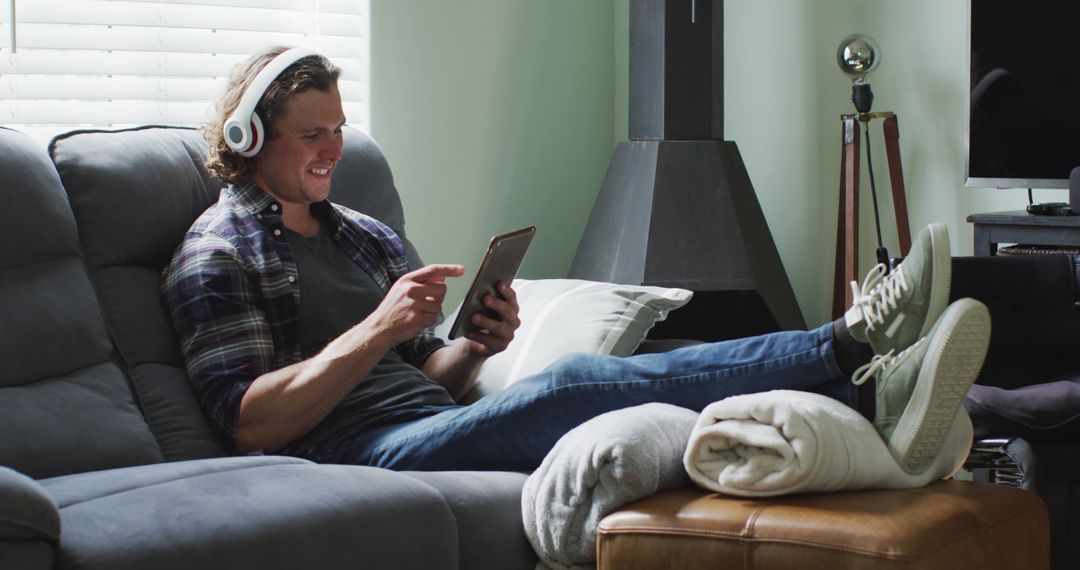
335,295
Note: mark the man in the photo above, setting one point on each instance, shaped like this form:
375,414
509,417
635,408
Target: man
305,333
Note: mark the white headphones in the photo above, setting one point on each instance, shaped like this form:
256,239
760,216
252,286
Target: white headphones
243,129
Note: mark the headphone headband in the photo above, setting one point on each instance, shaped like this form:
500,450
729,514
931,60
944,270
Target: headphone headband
243,129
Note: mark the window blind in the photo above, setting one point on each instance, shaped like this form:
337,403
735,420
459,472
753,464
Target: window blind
68,64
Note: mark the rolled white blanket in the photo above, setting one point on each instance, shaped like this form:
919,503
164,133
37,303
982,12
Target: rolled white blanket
780,442
597,467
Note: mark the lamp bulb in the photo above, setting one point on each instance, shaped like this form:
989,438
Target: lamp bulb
857,56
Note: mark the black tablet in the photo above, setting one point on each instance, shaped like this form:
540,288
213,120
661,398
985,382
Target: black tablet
500,263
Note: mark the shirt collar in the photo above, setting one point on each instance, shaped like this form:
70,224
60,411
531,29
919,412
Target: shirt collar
252,199
255,201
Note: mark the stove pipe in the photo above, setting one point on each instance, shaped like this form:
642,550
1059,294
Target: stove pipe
677,208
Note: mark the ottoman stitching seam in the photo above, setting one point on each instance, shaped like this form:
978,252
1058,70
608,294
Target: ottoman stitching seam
697,531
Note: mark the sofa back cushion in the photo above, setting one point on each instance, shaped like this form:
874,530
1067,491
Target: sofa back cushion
65,406
134,193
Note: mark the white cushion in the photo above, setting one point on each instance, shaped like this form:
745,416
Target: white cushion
566,316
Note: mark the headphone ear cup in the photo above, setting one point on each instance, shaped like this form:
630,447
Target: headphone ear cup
257,136
244,131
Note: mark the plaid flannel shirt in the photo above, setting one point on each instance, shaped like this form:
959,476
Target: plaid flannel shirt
233,295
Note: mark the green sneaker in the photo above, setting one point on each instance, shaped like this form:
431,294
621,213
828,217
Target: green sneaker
893,310
920,389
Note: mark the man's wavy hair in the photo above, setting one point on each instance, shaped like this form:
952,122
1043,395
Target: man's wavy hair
312,72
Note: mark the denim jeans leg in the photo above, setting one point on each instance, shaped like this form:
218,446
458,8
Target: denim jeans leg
514,429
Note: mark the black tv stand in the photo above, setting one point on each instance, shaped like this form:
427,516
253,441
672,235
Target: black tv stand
1021,227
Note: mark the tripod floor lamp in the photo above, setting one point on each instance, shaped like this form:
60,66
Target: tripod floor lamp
857,56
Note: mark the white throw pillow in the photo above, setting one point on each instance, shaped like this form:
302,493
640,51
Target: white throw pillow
566,316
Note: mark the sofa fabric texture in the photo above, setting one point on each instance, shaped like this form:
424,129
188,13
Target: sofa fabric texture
27,512
133,194
65,406
106,459
260,513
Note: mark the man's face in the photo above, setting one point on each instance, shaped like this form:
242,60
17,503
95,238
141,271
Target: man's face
295,165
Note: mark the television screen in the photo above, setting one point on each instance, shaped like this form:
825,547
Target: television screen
1024,106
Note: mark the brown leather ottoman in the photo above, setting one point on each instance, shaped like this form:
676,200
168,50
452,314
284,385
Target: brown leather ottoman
953,525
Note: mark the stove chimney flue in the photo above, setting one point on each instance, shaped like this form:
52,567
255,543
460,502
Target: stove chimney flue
677,208
676,70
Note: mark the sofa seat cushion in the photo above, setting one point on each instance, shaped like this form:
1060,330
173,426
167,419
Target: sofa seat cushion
251,512
487,506
946,525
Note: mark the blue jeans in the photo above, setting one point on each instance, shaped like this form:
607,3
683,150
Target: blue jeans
513,430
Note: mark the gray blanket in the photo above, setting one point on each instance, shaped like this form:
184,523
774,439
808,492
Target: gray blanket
599,466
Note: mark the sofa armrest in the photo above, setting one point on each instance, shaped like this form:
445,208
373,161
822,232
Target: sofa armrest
26,510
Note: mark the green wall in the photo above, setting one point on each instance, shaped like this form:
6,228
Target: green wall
500,113
494,115
784,97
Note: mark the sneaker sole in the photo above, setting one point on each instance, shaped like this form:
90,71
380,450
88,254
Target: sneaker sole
942,276
952,362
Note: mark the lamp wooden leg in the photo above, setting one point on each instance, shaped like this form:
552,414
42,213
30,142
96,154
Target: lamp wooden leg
896,178
847,218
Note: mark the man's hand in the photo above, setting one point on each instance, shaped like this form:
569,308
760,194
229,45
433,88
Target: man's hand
454,367
495,335
413,303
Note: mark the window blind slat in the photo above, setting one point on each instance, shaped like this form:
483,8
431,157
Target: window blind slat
106,13
359,7
87,112
324,6
137,38
41,116
54,62
131,87
109,88
49,124
300,5
124,62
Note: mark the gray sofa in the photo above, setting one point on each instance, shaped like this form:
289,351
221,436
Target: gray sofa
106,460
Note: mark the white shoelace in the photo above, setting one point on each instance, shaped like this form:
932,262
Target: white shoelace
872,368
880,293
878,363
